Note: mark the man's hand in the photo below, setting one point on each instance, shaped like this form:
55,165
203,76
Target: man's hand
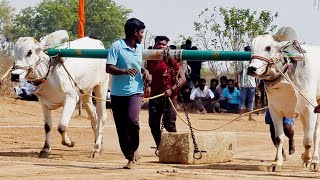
146,76
317,109
168,92
132,72
147,92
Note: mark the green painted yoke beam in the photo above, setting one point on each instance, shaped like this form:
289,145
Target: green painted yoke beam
189,55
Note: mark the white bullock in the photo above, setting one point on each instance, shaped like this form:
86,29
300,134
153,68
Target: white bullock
267,60
55,88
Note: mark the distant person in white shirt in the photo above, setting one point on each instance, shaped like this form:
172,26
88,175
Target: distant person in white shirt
24,90
202,98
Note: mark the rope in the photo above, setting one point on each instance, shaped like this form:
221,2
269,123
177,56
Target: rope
95,97
296,45
247,113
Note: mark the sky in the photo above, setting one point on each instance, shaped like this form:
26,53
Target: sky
175,17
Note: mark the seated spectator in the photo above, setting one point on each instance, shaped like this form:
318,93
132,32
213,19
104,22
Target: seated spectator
222,101
202,98
24,91
232,95
217,94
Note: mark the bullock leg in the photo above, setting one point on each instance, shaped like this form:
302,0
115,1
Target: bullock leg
279,138
91,110
44,153
308,121
101,92
68,108
316,138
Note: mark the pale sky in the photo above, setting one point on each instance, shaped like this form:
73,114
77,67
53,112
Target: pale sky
175,17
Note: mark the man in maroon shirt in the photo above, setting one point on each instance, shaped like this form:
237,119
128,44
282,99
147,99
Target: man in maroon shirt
168,77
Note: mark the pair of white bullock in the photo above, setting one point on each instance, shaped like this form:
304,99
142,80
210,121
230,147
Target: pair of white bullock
55,88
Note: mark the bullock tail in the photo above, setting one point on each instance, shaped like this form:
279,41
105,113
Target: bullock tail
241,115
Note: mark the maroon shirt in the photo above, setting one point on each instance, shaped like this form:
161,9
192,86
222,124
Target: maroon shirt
163,76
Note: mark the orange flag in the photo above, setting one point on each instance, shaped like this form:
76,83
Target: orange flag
81,15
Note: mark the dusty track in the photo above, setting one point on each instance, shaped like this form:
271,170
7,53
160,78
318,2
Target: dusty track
22,137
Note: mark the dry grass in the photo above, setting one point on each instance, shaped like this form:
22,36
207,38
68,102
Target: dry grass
6,87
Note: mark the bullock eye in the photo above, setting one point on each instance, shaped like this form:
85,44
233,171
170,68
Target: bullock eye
268,48
29,53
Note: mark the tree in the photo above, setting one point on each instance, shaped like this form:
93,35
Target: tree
104,18
230,29
6,18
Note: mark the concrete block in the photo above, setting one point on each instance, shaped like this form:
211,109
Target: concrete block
178,148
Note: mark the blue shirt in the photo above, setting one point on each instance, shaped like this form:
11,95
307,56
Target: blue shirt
123,57
234,98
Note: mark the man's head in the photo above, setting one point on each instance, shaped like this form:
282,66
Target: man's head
214,83
231,85
134,28
173,47
188,43
247,48
161,42
202,83
223,81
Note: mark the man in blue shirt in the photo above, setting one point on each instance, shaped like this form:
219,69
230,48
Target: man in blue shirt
124,63
232,95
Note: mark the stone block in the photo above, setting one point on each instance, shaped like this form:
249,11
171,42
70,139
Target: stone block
178,148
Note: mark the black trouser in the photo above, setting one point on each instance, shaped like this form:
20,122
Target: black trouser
288,131
126,111
156,109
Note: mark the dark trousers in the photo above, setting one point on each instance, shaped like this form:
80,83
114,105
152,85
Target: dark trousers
233,108
288,131
126,111
156,110
207,105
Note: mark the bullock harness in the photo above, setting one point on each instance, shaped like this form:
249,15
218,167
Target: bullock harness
283,58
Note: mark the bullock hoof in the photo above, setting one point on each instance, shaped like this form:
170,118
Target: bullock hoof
275,168
94,154
44,154
314,167
71,144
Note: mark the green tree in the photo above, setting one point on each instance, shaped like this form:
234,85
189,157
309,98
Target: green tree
104,18
230,29
6,18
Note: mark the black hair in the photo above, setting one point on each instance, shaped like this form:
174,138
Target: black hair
194,48
247,48
223,78
231,80
202,80
188,42
150,47
94,36
173,47
161,38
214,80
133,25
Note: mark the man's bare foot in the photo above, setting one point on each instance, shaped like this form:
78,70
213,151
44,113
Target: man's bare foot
251,118
130,165
137,156
291,147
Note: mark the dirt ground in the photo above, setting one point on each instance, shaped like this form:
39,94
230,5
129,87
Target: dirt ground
22,137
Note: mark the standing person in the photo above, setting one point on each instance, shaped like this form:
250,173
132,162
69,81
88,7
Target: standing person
202,98
168,77
288,131
247,85
232,95
124,63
